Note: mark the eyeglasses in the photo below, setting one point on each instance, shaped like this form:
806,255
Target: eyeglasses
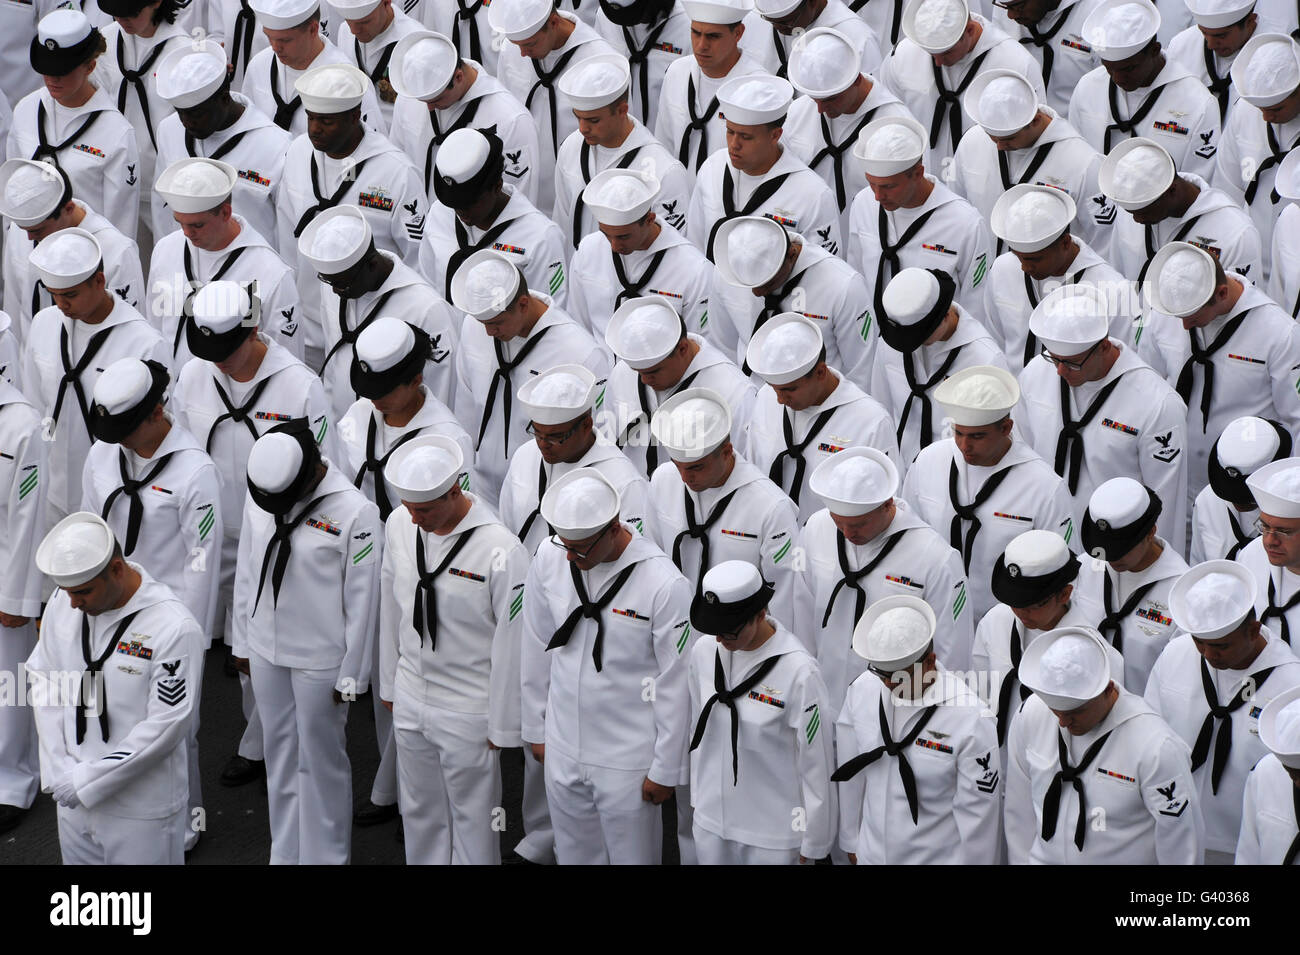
552,439
582,554
1281,533
1008,6
1072,365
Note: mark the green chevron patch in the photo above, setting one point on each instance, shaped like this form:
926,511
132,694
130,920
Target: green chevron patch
686,635
776,558
363,553
981,266
206,522
557,279
865,318
29,483
516,605
814,724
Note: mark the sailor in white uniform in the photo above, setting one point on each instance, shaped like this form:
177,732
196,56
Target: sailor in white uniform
1053,35
632,254
983,484
1274,557
928,337
1131,575
656,358
1158,205
375,27
608,765
838,100
74,123
780,23
234,25
1262,129
1270,819
609,137
450,623
465,22
908,218
37,199
756,174
764,269
541,45
1138,91
919,768
1284,280
1042,255
510,333
1225,512
214,243
560,404
1210,45
651,35
1018,140
114,758
1094,410
1235,353
1081,745
70,345
212,122
359,283
298,43
1211,683
947,45
866,545
807,410
476,210
24,477
313,540
760,672
688,121
440,92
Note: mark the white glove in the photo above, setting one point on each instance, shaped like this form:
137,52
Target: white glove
65,793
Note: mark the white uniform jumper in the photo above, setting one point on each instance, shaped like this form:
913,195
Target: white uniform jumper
1219,530
1056,42
1277,592
1270,819
270,86
688,122
1247,170
650,49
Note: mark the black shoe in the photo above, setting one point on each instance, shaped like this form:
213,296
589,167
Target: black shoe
240,771
368,814
10,816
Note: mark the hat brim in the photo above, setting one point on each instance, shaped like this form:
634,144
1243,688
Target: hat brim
1022,590
715,617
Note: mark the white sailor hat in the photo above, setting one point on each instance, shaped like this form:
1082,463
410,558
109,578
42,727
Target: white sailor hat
197,185
283,14
1003,102
692,424
1276,487
580,504
425,468
935,25
388,353
274,461
890,145
1267,69
1216,14
1029,217
1182,279
621,196
786,348
716,11
1212,599
64,40
1279,727
354,9
336,240
1119,515
731,594
978,395
775,9
1287,181
191,73
855,481
422,65
644,331
894,632
1033,566
222,314
66,259
1135,173
485,285
823,63
334,88
1071,319
31,192
1066,668
1245,446
470,164
520,19
913,306
560,394
749,250
1117,29
596,81
468,152
124,397
755,99
76,550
